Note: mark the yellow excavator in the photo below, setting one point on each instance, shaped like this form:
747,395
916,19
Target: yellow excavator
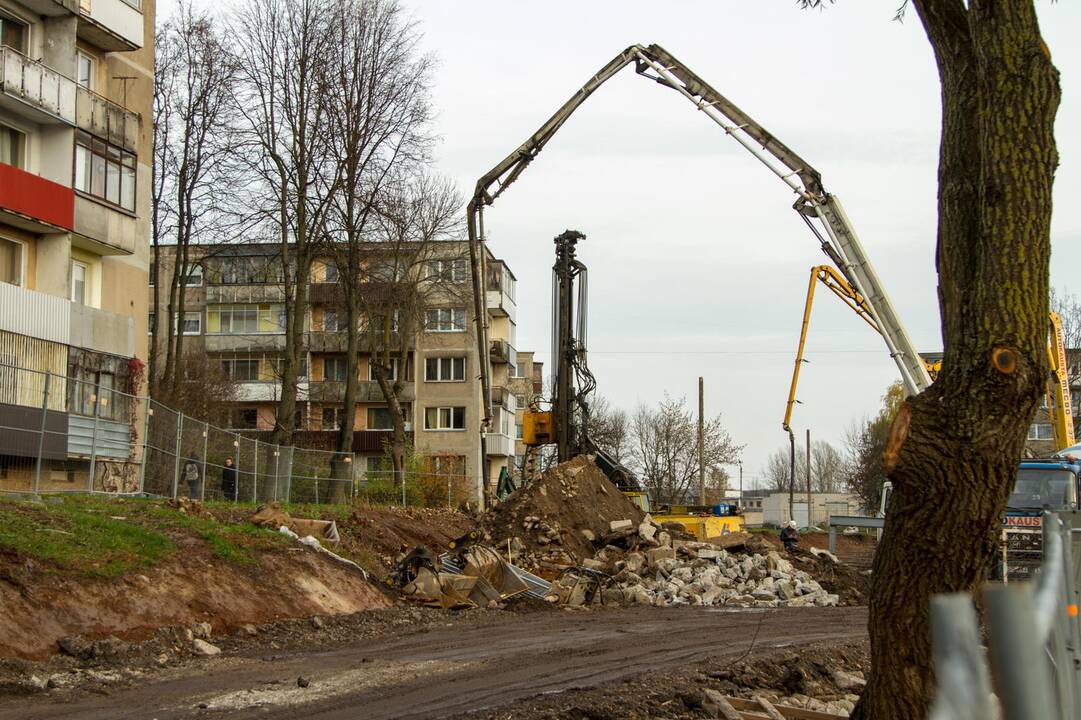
1059,403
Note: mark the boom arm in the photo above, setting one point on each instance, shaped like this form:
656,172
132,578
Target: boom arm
820,210
1060,404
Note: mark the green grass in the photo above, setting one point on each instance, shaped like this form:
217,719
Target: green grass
107,537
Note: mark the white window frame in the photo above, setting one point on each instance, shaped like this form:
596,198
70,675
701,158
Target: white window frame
339,417
455,270
439,368
86,282
444,319
330,268
1034,431
20,161
334,314
439,416
335,359
92,63
198,315
520,401
231,373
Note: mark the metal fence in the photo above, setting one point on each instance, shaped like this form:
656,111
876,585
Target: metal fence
1034,639
64,434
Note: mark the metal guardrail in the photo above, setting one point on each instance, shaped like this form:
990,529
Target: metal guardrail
1035,644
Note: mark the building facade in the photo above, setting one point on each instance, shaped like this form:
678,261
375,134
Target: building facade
526,381
234,314
76,84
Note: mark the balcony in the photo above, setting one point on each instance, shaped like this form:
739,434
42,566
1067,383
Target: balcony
367,391
501,284
56,319
244,294
34,90
368,441
105,119
112,25
321,341
34,203
257,392
499,445
247,343
503,352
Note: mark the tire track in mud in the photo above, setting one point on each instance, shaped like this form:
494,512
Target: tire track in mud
452,670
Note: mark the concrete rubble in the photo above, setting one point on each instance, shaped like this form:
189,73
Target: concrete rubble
686,573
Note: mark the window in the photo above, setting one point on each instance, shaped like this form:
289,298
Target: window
85,390
374,468
444,418
518,431
448,270
386,271
137,4
332,418
244,418
444,320
334,368
12,144
193,323
377,322
13,34
84,70
150,323
1041,431
380,419
330,321
195,276
105,172
79,276
519,401
395,369
244,319
447,464
241,369
330,273
11,261
444,369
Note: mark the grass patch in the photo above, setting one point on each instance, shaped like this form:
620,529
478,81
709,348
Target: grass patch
108,537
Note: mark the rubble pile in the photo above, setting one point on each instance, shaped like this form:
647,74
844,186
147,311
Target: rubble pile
553,523
676,572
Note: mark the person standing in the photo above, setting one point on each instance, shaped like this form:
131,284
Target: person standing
192,477
228,480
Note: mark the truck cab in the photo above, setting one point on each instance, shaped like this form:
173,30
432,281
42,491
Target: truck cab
1045,485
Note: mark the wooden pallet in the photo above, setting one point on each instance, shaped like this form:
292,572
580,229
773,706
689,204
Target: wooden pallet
761,709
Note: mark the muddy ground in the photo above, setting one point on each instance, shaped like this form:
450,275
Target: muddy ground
529,662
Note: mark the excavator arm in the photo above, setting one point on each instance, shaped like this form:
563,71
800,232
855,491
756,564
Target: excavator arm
820,210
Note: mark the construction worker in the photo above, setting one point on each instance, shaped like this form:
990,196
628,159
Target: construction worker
193,477
789,536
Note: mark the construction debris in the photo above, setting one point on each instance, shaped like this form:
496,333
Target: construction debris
481,578
687,573
273,517
552,523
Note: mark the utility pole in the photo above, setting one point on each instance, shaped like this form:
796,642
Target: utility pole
810,507
701,443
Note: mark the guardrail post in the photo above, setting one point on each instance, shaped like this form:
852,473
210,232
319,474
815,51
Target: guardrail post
1018,657
146,446
255,474
41,431
206,440
94,438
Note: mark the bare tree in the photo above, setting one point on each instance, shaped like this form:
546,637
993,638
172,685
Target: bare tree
379,108
194,113
864,445
665,449
777,474
416,268
827,468
609,428
284,50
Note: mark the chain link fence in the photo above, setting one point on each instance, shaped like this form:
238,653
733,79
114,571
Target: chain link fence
63,434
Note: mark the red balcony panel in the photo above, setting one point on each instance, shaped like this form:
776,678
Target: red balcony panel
36,198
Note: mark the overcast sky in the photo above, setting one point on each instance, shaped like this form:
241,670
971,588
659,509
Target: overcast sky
698,265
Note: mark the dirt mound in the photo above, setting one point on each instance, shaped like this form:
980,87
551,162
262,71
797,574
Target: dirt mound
557,518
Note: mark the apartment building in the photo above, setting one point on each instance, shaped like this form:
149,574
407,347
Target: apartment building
526,381
235,314
76,81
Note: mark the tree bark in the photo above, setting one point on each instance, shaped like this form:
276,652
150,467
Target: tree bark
953,450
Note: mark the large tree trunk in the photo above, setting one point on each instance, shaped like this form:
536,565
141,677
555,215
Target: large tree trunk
343,470
953,450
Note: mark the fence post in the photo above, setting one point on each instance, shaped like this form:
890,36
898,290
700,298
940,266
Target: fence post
277,480
1018,656
94,438
255,473
176,457
962,685
41,435
146,445
236,464
206,440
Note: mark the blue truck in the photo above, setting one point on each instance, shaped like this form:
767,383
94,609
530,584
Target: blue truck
1051,484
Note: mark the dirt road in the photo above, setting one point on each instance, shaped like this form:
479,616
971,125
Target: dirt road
452,670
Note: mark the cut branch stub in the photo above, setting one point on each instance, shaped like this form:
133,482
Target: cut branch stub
897,437
1004,359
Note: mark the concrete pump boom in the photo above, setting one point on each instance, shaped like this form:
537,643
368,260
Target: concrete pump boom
819,209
